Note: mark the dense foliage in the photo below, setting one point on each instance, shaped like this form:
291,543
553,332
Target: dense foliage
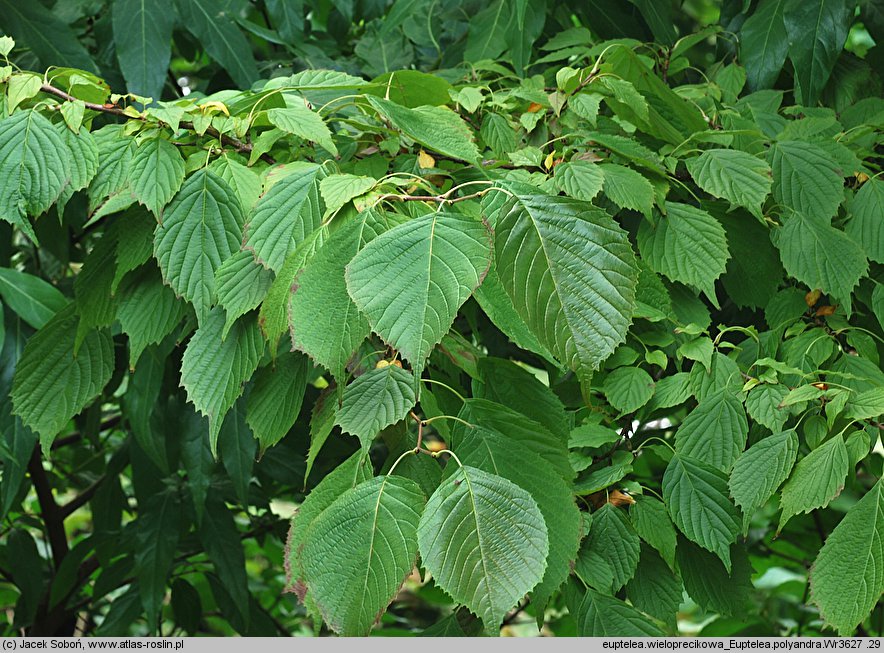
579,331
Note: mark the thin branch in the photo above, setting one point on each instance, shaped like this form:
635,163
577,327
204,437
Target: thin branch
80,500
114,110
49,508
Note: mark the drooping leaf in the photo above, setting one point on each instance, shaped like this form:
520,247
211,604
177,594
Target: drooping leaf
817,479
760,470
221,540
337,190
852,557
764,44
320,288
480,521
285,215
156,174
715,431
358,551
437,128
821,256
143,42
411,280
202,227
49,37
655,589
374,401
157,530
297,119
275,400
697,497
866,226
241,285
600,615
51,384
570,273
580,179
686,245
742,179
710,584
627,188
494,453
214,368
609,554
34,164
817,30
805,178
654,526
115,152
148,310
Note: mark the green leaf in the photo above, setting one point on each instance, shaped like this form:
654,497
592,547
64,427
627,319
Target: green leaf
754,272
487,37
115,152
866,226
485,523
821,256
865,405
374,401
285,215
499,308
274,402
697,498
580,179
134,238
710,584
46,34
436,128
628,388
764,44
494,453
34,166
322,421
92,288
817,479
337,190
760,470
498,134
83,161
242,284
201,229
143,43
321,288
655,589
627,188
344,477
686,245
715,431
221,540
570,272
630,149
817,31
805,179
148,311
244,181
51,385
654,526
214,369
157,531
297,119
592,436
699,349
609,554
763,405
238,447
358,552
222,39
599,615
34,300
156,174
411,280
742,179
847,578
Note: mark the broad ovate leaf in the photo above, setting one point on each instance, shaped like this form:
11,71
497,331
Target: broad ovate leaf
760,470
375,400
275,400
486,524
410,281
297,119
51,384
847,578
570,272
817,479
201,228
601,615
358,551
686,245
715,431
866,226
214,368
697,498
805,179
156,174
609,554
742,179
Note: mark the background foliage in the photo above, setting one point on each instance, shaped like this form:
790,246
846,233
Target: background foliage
628,253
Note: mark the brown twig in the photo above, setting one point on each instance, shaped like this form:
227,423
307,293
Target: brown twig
114,110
